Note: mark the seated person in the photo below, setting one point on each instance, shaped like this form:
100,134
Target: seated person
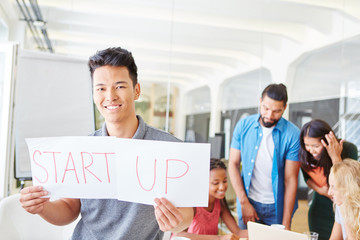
344,189
206,219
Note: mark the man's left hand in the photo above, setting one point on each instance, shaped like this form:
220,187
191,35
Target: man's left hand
171,218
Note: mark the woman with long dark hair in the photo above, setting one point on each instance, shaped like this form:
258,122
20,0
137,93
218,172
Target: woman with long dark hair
319,150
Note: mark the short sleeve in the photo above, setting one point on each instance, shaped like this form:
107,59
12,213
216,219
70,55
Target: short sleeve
339,219
236,138
337,215
293,153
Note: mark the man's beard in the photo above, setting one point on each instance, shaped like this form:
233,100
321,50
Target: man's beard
269,124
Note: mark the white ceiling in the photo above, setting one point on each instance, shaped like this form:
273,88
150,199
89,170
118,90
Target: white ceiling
194,43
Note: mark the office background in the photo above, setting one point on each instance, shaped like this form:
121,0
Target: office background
202,65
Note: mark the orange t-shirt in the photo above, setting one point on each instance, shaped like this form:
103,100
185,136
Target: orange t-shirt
317,175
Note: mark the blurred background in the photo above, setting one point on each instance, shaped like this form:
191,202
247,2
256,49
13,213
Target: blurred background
202,67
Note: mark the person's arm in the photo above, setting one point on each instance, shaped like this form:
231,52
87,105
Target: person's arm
291,182
229,220
248,211
336,233
349,235
60,212
320,190
171,218
333,147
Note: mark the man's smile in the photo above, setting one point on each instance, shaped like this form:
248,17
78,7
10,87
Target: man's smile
112,107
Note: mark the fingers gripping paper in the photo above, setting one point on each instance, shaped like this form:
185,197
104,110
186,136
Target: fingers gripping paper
126,169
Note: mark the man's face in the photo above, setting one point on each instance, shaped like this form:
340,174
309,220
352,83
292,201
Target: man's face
270,111
114,94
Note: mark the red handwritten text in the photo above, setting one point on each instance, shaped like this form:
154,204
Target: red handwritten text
74,163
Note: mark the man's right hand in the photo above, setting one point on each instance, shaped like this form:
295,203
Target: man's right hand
31,199
248,212
60,212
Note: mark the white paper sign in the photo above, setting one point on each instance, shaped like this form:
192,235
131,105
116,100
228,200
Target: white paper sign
125,169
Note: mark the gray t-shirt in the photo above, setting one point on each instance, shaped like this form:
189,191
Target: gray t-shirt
114,219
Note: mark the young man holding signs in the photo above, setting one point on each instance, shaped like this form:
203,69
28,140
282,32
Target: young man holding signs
115,88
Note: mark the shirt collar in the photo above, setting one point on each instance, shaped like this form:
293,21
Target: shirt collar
140,131
279,126
103,130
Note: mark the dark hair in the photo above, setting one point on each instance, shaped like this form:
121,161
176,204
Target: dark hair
276,92
315,129
116,57
216,163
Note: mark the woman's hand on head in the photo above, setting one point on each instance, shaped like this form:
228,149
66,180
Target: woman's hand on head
333,147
